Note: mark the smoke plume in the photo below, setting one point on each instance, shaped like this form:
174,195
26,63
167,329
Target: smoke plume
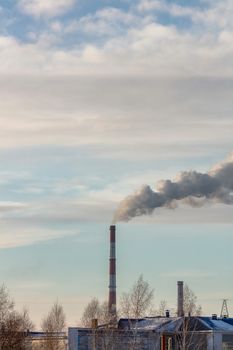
191,187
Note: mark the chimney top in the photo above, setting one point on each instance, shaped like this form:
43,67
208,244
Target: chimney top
94,323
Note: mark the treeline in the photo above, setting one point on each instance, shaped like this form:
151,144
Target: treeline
15,326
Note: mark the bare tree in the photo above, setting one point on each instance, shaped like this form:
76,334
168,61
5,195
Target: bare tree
135,304
104,316
6,304
91,311
13,324
27,323
95,310
53,324
138,301
187,335
191,308
162,308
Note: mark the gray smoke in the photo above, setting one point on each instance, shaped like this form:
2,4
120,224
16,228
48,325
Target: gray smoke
191,187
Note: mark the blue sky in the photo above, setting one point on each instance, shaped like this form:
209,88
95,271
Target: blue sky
98,98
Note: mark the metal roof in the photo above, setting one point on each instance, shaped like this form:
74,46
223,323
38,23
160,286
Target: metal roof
173,324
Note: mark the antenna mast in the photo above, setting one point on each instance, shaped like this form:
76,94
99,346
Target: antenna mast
224,310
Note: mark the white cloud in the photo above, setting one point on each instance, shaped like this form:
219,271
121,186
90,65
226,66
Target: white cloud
56,26
108,22
52,211
151,50
127,118
8,206
21,234
174,9
218,14
156,86
147,5
151,114
132,42
50,8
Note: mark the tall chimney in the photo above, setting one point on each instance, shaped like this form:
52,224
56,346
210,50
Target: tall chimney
112,272
180,299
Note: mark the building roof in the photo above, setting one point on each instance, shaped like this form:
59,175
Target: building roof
41,335
221,324
174,324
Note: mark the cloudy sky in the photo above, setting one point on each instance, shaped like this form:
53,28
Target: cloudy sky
98,98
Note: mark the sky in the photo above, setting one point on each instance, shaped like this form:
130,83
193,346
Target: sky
98,98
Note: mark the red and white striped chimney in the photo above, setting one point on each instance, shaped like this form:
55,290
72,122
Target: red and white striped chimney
112,272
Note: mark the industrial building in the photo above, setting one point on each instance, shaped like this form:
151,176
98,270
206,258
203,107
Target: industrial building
158,333
153,333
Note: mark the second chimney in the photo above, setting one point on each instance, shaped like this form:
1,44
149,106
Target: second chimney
112,272
180,298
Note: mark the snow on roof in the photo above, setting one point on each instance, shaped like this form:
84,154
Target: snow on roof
172,324
218,325
152,323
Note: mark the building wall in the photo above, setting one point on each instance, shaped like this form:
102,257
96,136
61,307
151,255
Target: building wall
217,341
227,341
42,343
84,339
210,341
191,341
79,339
220,341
